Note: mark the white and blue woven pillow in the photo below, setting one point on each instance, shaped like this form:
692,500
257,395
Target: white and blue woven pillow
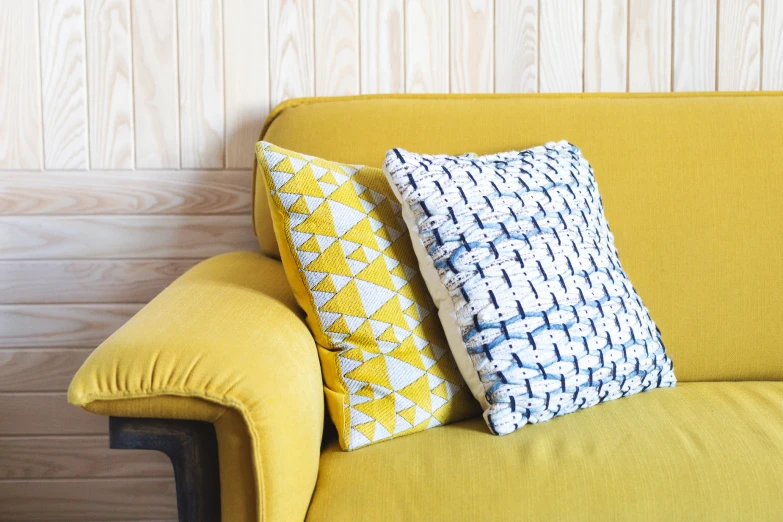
519,258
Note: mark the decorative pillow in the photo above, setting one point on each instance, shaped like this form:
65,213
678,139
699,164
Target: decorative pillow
516,251
348,257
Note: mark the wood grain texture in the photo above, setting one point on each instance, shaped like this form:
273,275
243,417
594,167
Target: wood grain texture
695,25
426,46
201,104
650,46
606,45
516,49
20,94
76,456
291,61
382,42
123,237
110,104
560,45
246,41
772,66
85,281
337,48
472,46
64,84
131,192
87,500
155,83
46,414
61,326
739,45
24,370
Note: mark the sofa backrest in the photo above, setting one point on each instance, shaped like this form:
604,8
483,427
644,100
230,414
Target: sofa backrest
692,186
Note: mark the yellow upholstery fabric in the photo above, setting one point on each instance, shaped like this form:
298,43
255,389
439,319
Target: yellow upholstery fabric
224,343
700,451
692,185
348,256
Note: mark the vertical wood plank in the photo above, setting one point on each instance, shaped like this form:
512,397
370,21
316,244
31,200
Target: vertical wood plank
426,46
155,83
20,87
772,68
201,104
560,62
472,46
382,41
606,45
109,83
739,45
695,25
337,48
63,84
246,33
291,63
650,46
516,45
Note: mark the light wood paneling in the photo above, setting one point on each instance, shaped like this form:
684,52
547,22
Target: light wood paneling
246,35
516,59
606,45
64,84
121,237
426,46
772,66
85,281
472,46
650,46
136,192
561,45
201,104
291,63
337,48
76,456
110,105
739,45
695,26
20,95
61,326
155,83
87,500
46,414
36,371
382,41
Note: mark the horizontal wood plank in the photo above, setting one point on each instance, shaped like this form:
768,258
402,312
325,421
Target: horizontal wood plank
46,414
88,500
80,456
127,192
87,280
38,370
123,237
57,326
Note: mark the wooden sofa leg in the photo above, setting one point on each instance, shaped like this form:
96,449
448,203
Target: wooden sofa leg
192,448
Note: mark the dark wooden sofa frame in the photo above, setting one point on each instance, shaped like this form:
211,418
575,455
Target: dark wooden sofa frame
192,448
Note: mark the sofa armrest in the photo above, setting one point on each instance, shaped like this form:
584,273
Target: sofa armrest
225,343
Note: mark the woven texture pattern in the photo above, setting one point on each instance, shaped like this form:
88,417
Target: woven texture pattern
545,312
386,364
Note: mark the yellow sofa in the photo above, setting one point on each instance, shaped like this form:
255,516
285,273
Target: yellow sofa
693,189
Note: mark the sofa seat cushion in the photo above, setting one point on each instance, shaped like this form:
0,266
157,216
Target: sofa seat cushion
700,451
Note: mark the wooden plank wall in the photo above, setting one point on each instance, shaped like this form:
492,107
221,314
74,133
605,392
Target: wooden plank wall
126,141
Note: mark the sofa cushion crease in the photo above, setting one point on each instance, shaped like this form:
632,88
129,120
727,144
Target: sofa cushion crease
203,348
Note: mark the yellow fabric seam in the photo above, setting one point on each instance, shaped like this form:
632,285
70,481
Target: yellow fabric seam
277,214
226,402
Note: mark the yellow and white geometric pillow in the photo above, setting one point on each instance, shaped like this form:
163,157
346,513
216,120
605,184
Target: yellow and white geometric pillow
349,259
